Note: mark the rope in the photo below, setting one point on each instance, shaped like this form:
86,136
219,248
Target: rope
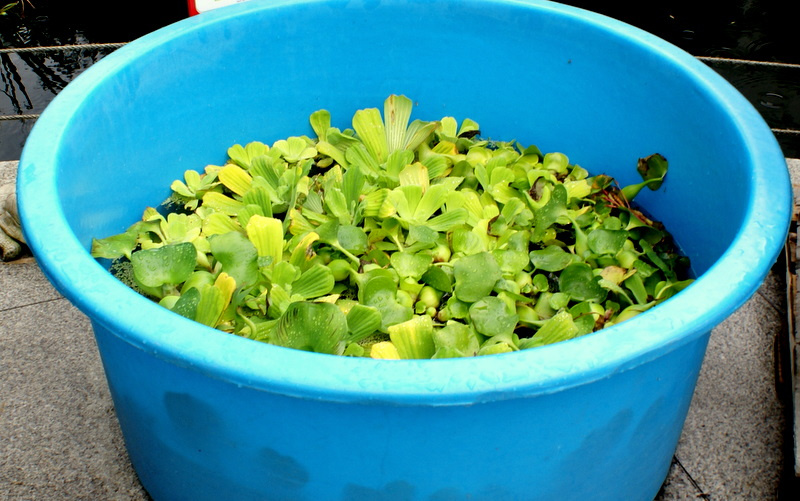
19,117
51,48
729,60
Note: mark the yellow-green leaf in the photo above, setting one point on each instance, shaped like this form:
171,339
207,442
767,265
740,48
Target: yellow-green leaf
266,234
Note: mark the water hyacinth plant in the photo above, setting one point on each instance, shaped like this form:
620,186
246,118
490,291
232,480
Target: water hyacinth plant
401,239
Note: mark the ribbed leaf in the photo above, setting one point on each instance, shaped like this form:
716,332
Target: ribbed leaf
438,166
362,321
397,161
268,168
358,156
222,203
396,113
317,327
217,222
558,328
320,122
414,338
235,179
261,194
433,199
414,174
314,282
210,306
368,125
373,202
353,182
243,155
384,350
214,299
338,156
302,253
266,234
418,132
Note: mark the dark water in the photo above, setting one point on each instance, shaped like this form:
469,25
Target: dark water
750,32
30,80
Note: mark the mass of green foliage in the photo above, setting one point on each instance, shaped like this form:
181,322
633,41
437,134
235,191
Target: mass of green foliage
401,239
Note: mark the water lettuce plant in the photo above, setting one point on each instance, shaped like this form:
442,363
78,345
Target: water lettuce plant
400,239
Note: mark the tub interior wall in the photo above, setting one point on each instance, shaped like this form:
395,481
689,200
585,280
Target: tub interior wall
562,87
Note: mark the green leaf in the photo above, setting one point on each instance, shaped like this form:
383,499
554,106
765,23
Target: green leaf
414,338
270,170
455,340
336,203
602,241
210,306
369,127
511,261
170,264
338,156
362,322
317,327
653,170
448,221
438,279
491,317
266,235
551,212
314,282
411,265
558,328
353,182
187,303
294,149
635,284
418,132
238,256
432,200
115,246
467,242
414,174
580,283
352,238
552,258
495,349
585,315
217,222
475,276
423,235
235,179
396,112
359,157
214,299
673,288
320,121
380,292
222,203
243,156
396,162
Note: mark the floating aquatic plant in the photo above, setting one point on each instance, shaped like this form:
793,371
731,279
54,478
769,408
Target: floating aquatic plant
401,239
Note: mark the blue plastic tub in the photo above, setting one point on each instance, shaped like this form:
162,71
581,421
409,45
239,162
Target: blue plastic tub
208,415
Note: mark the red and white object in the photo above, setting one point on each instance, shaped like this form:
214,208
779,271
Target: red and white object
200,6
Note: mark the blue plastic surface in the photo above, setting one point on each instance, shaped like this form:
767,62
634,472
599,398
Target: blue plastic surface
208,415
